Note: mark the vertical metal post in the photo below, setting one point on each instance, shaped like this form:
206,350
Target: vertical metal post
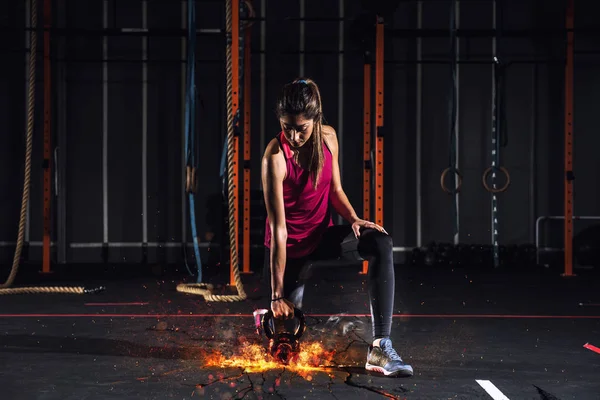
247,146
61,158
301,55
263,76
105,130
235,82
379,152
568,178
367,162
457,123
418,117
144,128
340,127
183,155
533,152
47,165
27,83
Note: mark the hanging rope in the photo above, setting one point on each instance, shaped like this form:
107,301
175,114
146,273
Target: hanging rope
190,134
203,289
452,116
497,142
5,287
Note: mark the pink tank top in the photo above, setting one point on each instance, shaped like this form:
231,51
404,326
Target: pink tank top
307,213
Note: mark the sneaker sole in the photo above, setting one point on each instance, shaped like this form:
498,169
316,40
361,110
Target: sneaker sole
400,372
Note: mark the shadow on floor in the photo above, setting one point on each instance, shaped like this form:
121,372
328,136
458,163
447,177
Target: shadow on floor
95,346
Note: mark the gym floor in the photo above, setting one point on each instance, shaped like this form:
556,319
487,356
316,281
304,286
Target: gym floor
469,334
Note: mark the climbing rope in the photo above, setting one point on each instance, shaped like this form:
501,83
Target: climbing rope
202,289
498,140
190,134
5,287
452,116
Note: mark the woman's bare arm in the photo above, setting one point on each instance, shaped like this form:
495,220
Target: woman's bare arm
273,173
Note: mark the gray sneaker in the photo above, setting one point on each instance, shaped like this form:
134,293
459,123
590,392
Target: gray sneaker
385,360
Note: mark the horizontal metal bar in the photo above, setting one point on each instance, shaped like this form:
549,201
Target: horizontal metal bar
483,62
134,245
402,249
31,244
389,32
499,33
136,61
160,32
304,19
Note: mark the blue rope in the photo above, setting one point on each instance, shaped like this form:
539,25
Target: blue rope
190,126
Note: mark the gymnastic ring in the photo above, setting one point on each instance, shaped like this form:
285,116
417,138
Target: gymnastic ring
188,179
492,190
443,177
194,180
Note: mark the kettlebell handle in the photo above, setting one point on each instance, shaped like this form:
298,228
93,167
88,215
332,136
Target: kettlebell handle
298,314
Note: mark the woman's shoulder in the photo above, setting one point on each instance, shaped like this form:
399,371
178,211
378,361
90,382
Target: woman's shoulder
330,137
328,130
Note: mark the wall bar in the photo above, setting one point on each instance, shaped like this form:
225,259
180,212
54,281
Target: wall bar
105,127
145,125
184,220
302,38
568,177
263,76
379,150
457,125
47,164
419,129
247,148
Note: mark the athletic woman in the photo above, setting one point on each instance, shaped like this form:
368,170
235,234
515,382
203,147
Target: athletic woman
301,178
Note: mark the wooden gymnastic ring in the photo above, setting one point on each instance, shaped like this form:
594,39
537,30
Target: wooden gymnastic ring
492,190
194,181
443,177
188,179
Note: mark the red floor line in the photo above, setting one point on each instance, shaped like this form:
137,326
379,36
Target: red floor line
116,304
592,348
438,316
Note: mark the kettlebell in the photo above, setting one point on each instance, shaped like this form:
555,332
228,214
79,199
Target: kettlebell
284,335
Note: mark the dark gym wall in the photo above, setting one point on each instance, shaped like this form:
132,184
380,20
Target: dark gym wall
534,120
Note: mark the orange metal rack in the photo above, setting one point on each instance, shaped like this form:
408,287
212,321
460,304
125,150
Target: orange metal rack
247,126
568,186
367,165
47,165
379,122
235,81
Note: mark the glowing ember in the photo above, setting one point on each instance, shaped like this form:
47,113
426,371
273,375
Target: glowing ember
254,358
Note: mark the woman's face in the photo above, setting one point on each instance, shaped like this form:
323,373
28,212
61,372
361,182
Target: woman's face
297,129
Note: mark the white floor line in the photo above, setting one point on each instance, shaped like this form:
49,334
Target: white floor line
492,390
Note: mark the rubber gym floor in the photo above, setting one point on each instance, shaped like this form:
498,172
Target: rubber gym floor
468,333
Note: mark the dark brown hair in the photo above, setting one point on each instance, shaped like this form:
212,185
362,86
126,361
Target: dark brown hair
302,97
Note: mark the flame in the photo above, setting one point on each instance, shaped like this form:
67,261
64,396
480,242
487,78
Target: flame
254,358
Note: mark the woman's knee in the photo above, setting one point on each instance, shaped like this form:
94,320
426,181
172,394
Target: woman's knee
375,242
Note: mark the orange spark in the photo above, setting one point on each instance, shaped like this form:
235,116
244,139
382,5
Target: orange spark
255,358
